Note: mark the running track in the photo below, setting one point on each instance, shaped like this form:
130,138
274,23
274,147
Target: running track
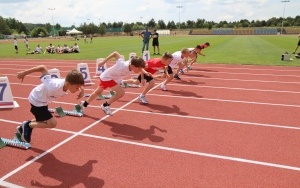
220,126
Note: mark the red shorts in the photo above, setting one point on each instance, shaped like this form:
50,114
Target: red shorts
107,84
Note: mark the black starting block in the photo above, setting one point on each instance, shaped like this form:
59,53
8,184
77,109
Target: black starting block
75,112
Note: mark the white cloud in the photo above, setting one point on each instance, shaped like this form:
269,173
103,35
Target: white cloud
69,12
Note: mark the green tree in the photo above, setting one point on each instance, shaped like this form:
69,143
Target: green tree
39,32
161,24
190,24
4,28
102,29
171,25
151,23
127,28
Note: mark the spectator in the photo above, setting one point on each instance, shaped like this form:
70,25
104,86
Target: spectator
16,45
50,49
38,50
26,43
75,48
155,42
146,35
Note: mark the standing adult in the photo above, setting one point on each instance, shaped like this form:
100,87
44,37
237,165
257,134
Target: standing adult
155,42
146,35
297,44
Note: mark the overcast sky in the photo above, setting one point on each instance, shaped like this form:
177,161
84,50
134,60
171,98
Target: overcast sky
67,12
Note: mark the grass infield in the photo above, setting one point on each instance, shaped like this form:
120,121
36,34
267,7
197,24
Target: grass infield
254,50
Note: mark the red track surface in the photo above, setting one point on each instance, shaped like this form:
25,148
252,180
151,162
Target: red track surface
220,126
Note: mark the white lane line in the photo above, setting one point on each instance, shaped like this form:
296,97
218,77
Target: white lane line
64,141
7,184
235,159
199,98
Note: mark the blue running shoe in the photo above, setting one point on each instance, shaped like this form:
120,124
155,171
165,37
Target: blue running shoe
26,134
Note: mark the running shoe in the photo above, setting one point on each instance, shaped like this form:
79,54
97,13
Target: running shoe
106,110
26,134
163,87
177,77
19,129
82,108
143,99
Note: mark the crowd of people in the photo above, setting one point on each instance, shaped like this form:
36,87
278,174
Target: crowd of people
59,49
49,49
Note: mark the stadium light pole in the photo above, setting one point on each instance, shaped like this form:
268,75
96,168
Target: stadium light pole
285,1
142,20
52,9
179,7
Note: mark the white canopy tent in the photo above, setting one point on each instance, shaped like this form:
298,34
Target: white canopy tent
73,32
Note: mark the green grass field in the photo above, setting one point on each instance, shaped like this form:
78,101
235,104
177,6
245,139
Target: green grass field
257,50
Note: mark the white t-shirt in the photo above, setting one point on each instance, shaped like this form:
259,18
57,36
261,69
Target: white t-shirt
48,91
176,59
116,72
38,49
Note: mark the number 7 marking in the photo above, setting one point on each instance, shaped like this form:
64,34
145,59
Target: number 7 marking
2,89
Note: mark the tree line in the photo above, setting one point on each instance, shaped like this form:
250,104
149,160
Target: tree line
11,26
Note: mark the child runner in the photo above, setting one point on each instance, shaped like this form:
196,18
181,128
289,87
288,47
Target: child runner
43,94
178,57
152,66
113,75
202,46
16,45
26,43
191,59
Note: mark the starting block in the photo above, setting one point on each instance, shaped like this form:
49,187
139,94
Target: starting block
84,69
100,70
146,55
75,112
54,73
130,85
6,97
101,96
14,142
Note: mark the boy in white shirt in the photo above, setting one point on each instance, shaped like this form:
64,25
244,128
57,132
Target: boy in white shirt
179,57
112,76
16,45
37,50
41,95
75,48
